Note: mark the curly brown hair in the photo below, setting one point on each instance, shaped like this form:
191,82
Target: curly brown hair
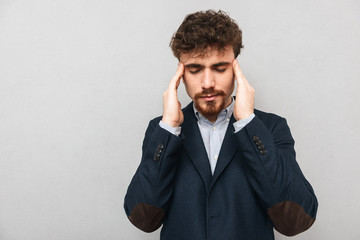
204,30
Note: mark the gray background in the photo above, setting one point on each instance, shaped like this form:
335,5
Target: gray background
80,79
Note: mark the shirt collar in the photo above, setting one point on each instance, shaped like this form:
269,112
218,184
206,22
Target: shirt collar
224,115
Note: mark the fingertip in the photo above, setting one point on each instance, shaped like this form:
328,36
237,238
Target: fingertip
182,68
180,65
236,64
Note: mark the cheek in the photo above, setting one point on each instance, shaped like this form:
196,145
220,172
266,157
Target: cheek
227,81
191,83
188,85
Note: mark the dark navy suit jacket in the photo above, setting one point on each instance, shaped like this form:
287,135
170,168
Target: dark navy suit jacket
257,184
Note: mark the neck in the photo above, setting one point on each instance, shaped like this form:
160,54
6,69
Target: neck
212,118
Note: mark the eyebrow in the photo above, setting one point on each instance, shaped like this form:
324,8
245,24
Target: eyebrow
220,64
195,65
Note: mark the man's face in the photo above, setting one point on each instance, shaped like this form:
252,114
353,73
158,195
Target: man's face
209,80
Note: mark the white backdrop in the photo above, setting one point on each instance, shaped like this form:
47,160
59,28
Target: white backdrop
80,79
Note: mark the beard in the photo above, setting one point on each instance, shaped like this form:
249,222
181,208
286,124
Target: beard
209,108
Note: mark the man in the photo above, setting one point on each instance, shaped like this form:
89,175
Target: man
217,169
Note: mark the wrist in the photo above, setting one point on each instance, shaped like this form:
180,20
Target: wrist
170,122
242,116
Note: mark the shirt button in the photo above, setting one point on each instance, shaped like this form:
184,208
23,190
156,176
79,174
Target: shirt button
216,157
227,119
214,128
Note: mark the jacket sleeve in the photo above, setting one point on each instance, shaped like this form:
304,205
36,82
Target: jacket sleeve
151,188
275,176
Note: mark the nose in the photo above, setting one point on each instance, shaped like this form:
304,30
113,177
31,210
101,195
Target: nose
208,80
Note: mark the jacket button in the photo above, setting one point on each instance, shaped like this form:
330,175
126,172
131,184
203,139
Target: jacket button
159,149
256,138
263,151
262,147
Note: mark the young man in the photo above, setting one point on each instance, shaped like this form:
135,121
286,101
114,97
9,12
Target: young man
217,169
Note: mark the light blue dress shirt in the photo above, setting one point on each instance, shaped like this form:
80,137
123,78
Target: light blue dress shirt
213,133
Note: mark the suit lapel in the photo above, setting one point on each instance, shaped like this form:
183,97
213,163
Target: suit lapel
194,145
228,149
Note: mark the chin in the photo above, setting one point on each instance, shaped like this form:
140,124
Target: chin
210,108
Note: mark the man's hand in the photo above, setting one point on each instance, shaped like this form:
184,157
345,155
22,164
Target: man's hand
173,115
244,102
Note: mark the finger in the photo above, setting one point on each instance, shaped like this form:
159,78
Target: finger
175,81
179,74
240,78
237,71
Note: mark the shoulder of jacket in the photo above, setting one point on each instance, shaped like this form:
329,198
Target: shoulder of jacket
267,115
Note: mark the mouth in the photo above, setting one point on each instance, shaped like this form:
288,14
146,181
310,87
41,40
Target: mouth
209,98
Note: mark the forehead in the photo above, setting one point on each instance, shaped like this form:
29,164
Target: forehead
212,56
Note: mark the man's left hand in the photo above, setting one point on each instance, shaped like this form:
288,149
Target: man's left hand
244,102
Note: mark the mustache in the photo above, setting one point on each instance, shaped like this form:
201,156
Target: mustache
207,92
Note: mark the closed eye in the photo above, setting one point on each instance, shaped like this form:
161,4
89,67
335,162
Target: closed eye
221,66
194,68
194,71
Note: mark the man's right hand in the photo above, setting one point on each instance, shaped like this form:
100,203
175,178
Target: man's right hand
173,115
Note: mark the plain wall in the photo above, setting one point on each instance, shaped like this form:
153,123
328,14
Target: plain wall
80,80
